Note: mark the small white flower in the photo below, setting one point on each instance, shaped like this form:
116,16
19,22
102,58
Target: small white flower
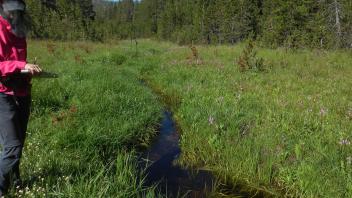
211,120
344,142
323,112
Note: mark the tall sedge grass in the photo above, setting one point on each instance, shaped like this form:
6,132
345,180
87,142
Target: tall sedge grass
87,125
286,131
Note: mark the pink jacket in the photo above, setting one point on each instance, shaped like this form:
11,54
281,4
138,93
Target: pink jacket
13,55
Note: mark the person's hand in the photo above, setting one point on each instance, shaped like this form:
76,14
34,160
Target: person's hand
33,69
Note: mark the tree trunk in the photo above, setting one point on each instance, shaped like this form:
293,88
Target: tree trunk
337,19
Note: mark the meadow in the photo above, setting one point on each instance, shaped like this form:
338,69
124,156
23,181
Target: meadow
284,130
87,125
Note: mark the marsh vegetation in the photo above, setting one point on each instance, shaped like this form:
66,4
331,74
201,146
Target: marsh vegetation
283,131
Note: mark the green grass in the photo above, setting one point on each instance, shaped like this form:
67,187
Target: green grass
87,125
278,131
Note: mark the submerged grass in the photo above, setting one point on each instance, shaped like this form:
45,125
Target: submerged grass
87,125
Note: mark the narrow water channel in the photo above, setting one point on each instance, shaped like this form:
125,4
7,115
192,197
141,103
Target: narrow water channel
176,182
172,180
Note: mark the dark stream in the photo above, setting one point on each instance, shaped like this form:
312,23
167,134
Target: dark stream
175,181
172,180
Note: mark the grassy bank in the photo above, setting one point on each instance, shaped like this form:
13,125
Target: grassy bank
285,130
86,125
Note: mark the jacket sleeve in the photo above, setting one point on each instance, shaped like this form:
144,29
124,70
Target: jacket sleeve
8,67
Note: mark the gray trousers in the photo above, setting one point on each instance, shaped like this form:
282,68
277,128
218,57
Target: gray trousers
14,114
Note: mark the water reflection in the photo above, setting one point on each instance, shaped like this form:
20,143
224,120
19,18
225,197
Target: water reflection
173,180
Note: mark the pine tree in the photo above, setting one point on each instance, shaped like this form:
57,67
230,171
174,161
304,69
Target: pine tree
301,23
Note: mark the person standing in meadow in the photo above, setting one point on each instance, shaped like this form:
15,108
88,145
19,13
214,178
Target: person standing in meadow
15,89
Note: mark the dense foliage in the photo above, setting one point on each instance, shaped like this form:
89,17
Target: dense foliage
62,19
302,23
323,23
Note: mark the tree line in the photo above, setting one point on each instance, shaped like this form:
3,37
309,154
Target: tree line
273,23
